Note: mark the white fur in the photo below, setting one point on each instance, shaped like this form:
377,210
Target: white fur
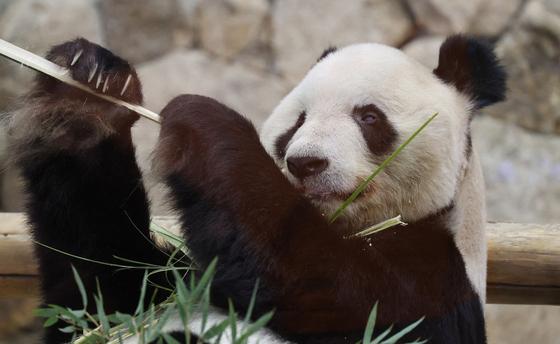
471,235
422,179
215,317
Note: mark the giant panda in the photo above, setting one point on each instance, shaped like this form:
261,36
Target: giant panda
260,203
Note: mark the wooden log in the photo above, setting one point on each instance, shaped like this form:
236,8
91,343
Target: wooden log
16,249
523,259
19,287
12,223
16,255
523,263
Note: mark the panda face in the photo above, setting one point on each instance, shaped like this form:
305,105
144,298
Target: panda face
353,109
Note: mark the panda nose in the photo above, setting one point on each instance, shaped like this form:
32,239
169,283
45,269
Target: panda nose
306,166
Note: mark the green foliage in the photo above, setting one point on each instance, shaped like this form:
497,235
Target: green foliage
380,339
188,300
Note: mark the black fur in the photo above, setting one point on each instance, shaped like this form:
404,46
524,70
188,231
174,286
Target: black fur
234,203
472,67
238,269
81,204
88,200
283,140
462,325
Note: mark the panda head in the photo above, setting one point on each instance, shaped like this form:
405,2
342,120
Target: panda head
359,103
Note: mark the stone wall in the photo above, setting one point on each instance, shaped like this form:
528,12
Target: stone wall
249,53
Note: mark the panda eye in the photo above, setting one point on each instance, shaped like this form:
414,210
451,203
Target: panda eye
369,115
369,118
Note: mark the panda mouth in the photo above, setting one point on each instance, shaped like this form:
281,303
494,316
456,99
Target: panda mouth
319,190
326,197
323,196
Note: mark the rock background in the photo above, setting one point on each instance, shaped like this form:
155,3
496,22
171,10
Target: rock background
249,53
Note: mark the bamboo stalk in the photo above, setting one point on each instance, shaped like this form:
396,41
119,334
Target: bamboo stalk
45,66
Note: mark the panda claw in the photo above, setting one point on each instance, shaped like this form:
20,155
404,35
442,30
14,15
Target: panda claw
77,57
126,83
92,73
106,84
99,78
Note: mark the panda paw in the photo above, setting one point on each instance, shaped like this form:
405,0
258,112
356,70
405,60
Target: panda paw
59,116
202,139
99,69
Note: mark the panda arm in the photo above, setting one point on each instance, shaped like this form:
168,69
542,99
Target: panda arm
236,204
84,189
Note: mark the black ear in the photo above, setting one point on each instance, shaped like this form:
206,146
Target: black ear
327,51
472,67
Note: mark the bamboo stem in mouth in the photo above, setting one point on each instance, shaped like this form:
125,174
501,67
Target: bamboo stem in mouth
45,66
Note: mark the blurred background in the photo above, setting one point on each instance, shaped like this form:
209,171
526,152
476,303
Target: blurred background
250,53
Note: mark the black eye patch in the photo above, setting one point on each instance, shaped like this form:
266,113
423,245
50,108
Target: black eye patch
283,140
379,134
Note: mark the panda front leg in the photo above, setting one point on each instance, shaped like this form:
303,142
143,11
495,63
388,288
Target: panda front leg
84,189
235,204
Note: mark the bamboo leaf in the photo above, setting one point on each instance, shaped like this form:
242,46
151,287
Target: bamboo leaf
379,169
140,306
45,312
397,220
50,321
232,320
101,314
368,333
254,327
67,329
205,280
81,287
403,332
252,302
382,336
175,240
418,341
169,339
161,321
216,330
